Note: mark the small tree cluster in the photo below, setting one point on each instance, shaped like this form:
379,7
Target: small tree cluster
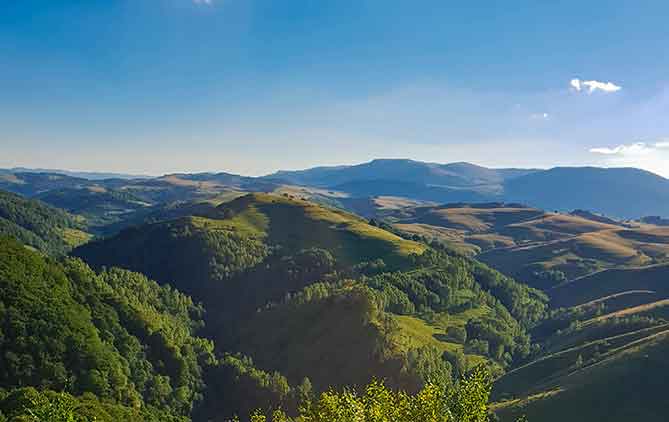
467,402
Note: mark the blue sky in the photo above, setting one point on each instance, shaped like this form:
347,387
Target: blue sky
156,86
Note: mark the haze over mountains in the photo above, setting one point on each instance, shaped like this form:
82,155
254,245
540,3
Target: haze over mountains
563,188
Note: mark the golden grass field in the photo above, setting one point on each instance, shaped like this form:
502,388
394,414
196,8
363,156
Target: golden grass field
523,241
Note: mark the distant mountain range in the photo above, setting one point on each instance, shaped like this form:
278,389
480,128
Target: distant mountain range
618,192
90,175
454,175
626,193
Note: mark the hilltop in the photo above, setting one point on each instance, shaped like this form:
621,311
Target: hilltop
316,292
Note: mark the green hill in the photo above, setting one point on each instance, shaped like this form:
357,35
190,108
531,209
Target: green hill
115,336
540,248
644,284
628,383
314,292
98,205
39,225
613,334
238,235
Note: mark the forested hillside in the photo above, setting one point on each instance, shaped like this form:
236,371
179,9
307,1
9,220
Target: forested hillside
114,335
38,225
296,299
319,294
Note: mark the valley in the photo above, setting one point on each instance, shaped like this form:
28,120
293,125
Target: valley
297,282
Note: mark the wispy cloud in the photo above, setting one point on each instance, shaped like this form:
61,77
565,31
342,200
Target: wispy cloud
204,2
652,156
637,148
592,86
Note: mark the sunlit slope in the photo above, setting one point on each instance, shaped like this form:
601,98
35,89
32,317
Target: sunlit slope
538,247
298,224
627,384
645,285
582,254
203,253
612,350
475,218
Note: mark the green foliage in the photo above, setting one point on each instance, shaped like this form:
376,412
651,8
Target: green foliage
310,292
31,405
455,285
467,402
34,223
117,335
184,252
98,205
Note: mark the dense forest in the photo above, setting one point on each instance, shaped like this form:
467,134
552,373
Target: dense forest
38,225
81,346
113,336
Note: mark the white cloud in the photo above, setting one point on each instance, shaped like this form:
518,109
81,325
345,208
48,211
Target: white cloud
650,156
540,116
638,148
592,86
576,84
207,2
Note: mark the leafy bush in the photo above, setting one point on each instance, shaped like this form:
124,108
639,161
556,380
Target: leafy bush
465,403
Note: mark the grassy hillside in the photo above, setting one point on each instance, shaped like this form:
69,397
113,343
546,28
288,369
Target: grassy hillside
614,332
626,384
473,218
273,221
537,247
646,284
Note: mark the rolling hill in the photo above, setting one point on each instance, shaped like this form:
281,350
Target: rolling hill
647,284
538,247
315,292
560,188
357,187
38,225
625,383
99,206
607,342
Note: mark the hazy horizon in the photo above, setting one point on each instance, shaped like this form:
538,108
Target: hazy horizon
251,87
269,173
